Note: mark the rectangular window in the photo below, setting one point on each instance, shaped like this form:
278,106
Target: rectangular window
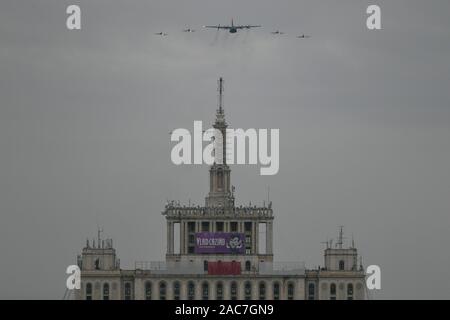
127,291
191,226
219,290
205,226
290,291
233,226
219,226
247,226
248,244
276,291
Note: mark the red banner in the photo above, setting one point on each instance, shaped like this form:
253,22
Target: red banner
224,268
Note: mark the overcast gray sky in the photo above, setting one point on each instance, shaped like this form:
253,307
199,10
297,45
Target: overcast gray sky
364,119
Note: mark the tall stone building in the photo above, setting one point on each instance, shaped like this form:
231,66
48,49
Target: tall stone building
215,252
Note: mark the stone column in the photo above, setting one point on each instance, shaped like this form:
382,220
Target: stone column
269,237
182,237
198,290
172,237
256,236
169,237
183,290
255,290
227,290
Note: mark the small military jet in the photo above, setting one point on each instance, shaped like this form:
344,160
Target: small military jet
232,28
163,34
188,30
303,37
277,32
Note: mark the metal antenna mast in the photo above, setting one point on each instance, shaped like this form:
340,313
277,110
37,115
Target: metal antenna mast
340,241
220,89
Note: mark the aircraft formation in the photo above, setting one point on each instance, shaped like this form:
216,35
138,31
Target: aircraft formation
232,28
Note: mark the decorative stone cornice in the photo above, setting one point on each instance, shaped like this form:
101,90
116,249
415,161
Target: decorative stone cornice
173,211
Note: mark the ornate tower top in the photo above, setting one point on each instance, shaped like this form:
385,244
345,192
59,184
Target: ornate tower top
220,115
219,186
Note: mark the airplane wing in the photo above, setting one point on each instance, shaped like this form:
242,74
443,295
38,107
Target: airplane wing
246,27
218,27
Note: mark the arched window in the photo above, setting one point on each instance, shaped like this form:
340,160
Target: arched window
127,291
276,291
341,265
248,265
106,291
311,291
205,291
220,180
262,291
349,291
233,291
333,291
191,290
89,291
290,291
176,290
248,290
148,290
162,290
219,291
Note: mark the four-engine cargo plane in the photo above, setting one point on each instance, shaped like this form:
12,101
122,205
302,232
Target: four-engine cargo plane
232,28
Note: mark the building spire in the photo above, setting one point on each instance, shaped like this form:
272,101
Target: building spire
220,114
220,89
220,194
221,125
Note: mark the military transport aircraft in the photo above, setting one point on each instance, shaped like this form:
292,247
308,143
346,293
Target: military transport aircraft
303,36
188,30
161,34
232,28
277,32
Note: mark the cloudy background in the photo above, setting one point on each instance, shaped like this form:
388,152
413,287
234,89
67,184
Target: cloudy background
364,119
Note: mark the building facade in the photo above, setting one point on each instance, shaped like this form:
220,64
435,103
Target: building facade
214,252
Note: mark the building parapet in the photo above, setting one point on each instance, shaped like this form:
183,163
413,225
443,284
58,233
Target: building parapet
282,268
264,268
172,211
323,273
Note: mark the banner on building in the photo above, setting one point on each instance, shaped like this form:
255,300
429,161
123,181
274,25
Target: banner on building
219,242
224,267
